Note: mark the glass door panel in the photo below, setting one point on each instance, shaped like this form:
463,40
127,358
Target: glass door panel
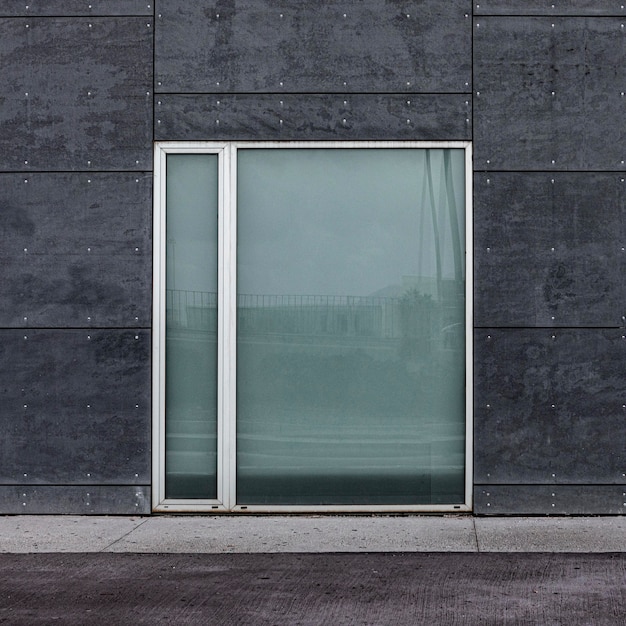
191,326
350,326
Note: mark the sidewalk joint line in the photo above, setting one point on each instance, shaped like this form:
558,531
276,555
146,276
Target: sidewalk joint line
476,534
132,530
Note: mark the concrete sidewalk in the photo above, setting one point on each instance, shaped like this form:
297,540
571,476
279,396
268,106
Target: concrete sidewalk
310,534
312,570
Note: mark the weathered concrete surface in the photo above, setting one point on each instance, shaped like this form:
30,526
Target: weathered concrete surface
75,411
546,91
301,534
279,117
559,499
309,589
540,7
548,249
558,534
66,533
75,249
549,411
310,534
77,94
321,47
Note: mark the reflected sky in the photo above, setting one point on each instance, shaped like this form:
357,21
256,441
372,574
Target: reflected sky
321,221
192,222
344,222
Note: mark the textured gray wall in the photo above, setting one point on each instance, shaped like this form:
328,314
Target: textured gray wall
365,69
75,246
87,88
550,347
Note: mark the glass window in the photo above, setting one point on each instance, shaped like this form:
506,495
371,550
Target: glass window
191,327
343,342
350,350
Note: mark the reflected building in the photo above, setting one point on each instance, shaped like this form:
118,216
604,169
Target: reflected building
315,408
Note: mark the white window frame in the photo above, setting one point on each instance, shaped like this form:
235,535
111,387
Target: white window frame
227,331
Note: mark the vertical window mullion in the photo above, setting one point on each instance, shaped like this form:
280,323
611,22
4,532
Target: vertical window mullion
158,386
469,326
222,352
228,329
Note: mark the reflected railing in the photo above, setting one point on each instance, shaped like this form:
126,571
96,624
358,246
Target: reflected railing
191,310
412,315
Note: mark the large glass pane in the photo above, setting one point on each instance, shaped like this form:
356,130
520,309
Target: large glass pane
191,327
350,347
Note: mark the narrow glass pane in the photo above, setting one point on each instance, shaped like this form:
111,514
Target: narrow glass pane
350,348
191,328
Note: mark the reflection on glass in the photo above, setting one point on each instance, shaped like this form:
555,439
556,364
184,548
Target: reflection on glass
191,327
350,347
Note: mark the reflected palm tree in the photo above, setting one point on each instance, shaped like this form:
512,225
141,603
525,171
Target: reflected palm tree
433,211
437,210
454,219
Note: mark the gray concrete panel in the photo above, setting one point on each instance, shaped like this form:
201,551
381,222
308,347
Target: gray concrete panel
549,500
65,533
79,290
550,406
85,500
237,534
77,93
549,249
547,92
75,249
552,534
252,534
314,116
57,8
541,7
75,407
356,46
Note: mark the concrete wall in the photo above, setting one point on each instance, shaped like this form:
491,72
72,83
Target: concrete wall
87,88
549,215
75,245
